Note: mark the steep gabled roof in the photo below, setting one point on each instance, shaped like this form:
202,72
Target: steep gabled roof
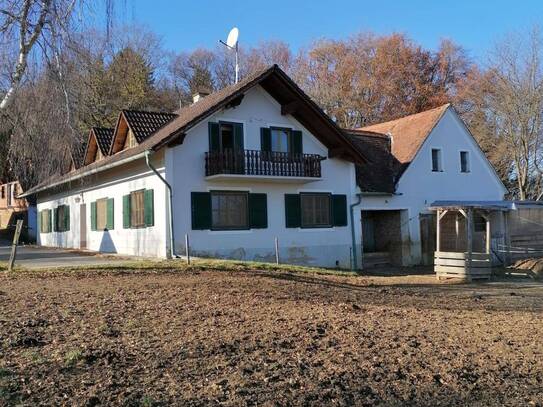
104,136
274,81
409,132
143,124
99,138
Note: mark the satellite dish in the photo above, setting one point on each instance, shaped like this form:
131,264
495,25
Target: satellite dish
232,40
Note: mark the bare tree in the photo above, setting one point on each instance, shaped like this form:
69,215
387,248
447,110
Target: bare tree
505,103
35,27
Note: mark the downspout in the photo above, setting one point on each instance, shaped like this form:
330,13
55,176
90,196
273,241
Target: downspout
170,203
353,235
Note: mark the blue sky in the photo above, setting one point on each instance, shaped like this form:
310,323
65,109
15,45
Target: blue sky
475,24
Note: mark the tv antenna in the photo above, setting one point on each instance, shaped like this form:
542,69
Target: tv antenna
232,43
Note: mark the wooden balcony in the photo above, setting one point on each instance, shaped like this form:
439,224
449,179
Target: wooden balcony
252,164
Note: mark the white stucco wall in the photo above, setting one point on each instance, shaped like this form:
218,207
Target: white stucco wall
418,187
186,172
114,183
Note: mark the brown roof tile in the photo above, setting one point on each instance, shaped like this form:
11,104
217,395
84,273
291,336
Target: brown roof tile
409,132
380,172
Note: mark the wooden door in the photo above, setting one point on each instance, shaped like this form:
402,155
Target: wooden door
428,237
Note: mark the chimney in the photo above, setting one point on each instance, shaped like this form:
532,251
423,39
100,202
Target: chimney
200,94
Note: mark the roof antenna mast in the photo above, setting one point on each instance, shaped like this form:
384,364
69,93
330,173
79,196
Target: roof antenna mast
232,43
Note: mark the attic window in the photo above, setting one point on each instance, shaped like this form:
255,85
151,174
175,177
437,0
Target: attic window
437,165
464,161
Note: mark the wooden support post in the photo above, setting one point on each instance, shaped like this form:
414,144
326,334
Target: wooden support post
488,235
438,231
276,251
16,236
506,239
457,230
469,230
187,248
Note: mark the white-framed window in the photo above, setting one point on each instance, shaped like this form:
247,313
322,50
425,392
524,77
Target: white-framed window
464,161
437,160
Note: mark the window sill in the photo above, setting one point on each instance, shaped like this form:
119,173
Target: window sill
230,231
318,229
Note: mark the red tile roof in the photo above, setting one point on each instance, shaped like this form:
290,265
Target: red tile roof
409,132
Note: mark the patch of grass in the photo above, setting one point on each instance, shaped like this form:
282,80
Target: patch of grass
34,356
73,357
202,265
147,401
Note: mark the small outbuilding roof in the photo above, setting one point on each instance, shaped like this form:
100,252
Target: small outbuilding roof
486,205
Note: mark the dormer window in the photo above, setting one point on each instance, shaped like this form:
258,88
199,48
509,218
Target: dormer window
437,165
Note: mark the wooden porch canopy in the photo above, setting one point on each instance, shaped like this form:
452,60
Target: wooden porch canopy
467,263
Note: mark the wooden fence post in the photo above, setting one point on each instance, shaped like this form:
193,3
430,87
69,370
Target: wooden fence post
276,251
187,248
18,229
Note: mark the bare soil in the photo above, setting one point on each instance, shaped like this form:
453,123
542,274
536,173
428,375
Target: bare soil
267,339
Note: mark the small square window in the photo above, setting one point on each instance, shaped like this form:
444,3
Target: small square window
464,161
437,164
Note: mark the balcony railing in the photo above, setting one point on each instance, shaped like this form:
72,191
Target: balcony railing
256,162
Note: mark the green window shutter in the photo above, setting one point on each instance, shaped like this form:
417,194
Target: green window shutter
55,219
49,220
126,211
110,214
213,131
339,210
149,207
293,211
93,215
258,211
67,217
296,141
38,222
201,210
238,136
265,139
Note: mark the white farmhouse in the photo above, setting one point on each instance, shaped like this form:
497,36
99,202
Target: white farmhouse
415,161
234,171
